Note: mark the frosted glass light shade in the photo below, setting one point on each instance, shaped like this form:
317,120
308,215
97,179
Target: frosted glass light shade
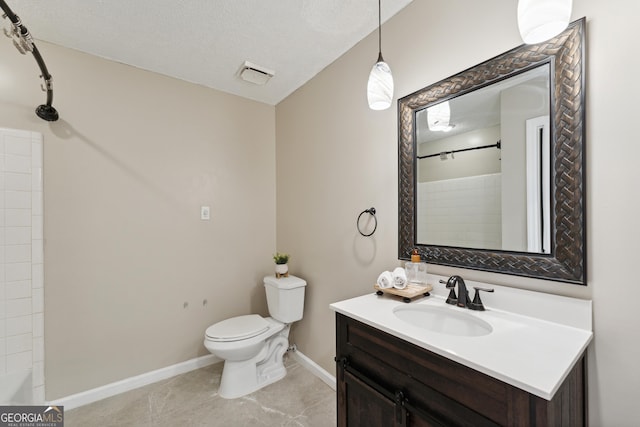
380,86
439,116
540,20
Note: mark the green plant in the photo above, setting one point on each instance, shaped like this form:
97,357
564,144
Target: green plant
281,258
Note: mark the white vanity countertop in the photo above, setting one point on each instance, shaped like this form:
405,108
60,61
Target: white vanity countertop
533,347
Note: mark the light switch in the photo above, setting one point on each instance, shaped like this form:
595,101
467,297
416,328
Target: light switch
205,213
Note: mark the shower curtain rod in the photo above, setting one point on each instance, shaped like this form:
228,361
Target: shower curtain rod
496,145
23,41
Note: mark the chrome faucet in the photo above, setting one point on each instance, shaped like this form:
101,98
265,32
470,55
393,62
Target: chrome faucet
463,300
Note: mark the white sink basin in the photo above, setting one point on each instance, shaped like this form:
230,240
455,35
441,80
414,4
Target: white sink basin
443,320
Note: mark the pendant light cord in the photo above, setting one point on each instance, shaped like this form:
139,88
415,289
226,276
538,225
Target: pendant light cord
379,33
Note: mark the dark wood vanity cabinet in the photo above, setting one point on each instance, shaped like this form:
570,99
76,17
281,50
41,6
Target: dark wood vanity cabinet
385,381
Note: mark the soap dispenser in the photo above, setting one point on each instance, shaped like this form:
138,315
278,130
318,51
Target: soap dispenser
416,270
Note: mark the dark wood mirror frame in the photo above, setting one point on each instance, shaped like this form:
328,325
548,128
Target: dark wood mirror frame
567,261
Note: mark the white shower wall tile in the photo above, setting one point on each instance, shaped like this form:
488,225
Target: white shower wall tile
17,253
36,179
38,349
22,256
17,271
17,235
17,199
36,203
17,217
20,145
38,373
38,393
19,343
13,163
37,276
37,300
38,325
463,212
36,151
37,227
37,251
19,308
17,362
15,290
18,325
17,181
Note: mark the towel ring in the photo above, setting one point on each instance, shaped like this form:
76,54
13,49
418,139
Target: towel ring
372,212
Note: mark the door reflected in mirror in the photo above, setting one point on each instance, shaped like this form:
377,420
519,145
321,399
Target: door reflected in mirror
482,167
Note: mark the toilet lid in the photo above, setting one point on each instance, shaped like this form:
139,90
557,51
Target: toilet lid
238,328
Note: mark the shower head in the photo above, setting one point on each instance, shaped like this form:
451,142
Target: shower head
47,112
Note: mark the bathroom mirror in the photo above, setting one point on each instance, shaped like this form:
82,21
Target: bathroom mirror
491,164
471,189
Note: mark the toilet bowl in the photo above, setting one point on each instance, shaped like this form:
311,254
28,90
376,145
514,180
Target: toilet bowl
252,346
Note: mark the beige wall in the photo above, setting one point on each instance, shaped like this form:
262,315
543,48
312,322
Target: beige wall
335,158
127,167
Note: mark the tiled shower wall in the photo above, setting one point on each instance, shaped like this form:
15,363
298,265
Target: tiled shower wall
461,212
21,268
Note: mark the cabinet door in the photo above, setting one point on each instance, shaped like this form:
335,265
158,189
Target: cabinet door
365,406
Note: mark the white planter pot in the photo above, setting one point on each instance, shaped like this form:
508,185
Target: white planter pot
282,270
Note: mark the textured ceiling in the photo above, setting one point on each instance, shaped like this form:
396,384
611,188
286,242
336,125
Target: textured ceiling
207,41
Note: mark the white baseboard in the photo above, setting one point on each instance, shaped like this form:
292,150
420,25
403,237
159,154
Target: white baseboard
108,390
315,369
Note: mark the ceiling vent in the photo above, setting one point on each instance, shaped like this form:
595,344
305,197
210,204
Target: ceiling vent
255,74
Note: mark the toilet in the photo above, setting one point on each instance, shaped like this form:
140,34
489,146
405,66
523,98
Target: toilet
252,346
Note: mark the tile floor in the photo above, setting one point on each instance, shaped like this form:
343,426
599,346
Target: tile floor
191,399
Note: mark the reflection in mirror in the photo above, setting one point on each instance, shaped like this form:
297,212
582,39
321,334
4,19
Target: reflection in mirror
483,167
501,145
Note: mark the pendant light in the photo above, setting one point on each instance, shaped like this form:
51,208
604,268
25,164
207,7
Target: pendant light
380,85
439,116
540,20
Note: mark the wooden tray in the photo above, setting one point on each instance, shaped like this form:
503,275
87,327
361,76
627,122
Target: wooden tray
410,292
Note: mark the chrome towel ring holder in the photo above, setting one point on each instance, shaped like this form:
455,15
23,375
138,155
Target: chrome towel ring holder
372,212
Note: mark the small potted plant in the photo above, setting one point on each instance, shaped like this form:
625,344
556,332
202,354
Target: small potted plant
281,260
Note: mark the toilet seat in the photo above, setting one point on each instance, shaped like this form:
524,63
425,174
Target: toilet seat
237,328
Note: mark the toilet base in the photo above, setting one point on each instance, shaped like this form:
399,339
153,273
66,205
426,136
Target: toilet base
240,378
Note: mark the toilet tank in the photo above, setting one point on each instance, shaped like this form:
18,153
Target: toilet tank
285,297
